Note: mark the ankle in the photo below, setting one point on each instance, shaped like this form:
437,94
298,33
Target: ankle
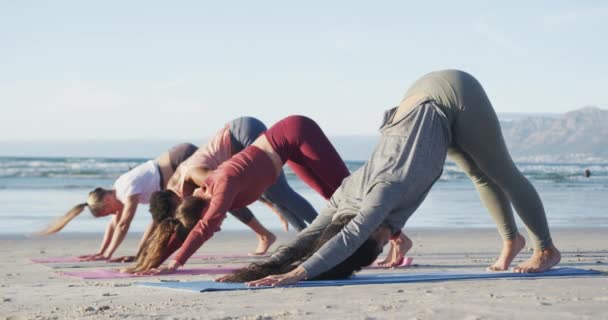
517,239
550,249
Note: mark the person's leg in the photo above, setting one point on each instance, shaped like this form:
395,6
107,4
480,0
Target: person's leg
265,237
312,179
497,203
290,204
312,156
476,131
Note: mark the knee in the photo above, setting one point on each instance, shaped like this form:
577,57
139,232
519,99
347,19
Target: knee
481,181
477,177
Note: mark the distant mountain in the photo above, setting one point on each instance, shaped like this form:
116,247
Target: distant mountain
580,135
576,136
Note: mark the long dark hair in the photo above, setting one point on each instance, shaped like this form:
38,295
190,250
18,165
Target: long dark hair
365,255
154,251
163,205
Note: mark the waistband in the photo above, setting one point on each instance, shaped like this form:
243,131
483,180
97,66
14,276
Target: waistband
160,174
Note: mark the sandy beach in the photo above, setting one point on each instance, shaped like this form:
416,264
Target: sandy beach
34,291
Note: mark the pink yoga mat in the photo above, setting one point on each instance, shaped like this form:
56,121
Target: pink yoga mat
115,274
56,260
196,256
407,261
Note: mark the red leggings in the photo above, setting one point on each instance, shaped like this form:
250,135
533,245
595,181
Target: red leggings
301,144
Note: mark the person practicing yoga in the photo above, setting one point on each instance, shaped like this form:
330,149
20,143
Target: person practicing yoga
130,189
242,179
230,140
443,113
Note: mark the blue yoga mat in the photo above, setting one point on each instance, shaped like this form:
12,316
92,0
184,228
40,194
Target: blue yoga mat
203,286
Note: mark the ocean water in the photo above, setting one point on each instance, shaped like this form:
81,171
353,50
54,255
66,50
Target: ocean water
34,190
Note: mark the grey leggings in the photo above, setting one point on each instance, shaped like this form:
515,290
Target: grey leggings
292,206
479,149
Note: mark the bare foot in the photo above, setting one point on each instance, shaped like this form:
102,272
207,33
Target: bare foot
396,254
540,261
510,249
264,242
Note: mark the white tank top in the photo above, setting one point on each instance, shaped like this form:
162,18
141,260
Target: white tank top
142,180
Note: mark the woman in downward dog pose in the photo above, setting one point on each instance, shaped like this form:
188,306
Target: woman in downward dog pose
243,179
443,113
130,189
235,136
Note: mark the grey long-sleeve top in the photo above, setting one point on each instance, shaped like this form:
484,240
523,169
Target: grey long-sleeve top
406,162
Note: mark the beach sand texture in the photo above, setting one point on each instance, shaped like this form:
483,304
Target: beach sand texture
35,291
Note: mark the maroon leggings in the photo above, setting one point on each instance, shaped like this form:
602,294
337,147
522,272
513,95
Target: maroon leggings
301,144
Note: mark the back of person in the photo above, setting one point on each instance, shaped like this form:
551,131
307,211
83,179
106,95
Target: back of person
142,180
247,175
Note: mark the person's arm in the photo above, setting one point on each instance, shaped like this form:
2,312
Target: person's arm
307,238
196,175
190,179
220,203
107,236
122,227
140,246
374,209
304,241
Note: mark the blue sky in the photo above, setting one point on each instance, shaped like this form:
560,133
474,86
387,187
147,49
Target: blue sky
180,69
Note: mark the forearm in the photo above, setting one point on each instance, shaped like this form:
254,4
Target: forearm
123,221
307,238
340,247
120,232
197,237
107,237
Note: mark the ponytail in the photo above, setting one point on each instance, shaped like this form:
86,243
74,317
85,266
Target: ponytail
153,253
95,202
63,221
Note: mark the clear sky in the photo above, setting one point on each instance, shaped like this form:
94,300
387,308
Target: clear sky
173,69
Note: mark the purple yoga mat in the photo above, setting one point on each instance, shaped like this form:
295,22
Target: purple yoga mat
115,274
196,256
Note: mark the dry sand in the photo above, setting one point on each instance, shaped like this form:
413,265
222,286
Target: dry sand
35,291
